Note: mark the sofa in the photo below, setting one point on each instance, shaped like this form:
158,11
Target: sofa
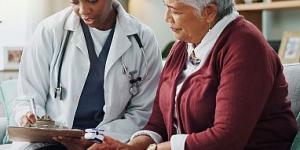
292,75
291,71
3,124
8,90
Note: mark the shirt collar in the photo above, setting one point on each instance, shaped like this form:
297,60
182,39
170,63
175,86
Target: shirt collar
211,37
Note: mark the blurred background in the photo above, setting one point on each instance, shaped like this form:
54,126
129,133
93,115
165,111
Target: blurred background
18,20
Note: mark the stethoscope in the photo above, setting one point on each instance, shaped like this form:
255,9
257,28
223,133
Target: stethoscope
134,81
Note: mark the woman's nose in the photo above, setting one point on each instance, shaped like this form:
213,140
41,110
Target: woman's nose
84,9
168,18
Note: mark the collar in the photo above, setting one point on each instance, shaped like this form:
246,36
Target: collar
211,37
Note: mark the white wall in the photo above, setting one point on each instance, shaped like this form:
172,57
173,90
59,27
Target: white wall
40,9
13,26
19,18
276,22
151,12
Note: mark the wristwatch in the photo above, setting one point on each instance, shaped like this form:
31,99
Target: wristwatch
152,147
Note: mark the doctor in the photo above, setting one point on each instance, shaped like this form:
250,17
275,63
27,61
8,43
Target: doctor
90,66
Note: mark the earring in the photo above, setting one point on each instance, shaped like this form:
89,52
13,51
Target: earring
209,29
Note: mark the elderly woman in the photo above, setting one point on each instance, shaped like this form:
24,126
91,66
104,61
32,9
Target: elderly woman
222,86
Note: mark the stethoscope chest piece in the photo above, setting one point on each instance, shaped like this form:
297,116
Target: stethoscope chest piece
133,90
58,92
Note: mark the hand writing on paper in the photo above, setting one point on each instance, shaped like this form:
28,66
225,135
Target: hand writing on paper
28,119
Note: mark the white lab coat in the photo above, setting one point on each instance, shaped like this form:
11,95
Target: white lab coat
124,115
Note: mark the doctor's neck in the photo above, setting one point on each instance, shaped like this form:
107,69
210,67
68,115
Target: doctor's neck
109,21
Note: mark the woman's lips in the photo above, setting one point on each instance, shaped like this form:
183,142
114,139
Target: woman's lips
88,21
175,29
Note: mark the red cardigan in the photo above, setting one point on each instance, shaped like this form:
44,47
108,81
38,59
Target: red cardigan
237,100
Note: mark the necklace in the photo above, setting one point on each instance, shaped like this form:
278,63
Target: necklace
193,59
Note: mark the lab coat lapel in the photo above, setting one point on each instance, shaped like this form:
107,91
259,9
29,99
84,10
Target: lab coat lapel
79,41
120,44
77,38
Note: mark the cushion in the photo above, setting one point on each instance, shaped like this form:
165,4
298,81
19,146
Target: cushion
3,125
2,108
296,142
3,120
292,74
9,92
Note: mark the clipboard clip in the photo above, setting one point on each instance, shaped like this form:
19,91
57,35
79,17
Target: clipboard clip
94,134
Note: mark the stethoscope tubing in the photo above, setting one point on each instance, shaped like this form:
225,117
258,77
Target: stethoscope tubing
127,73
135,82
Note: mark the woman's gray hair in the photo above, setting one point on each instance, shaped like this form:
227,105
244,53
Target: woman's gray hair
225,7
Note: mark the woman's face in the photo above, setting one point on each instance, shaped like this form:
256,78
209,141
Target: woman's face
186,22
95,13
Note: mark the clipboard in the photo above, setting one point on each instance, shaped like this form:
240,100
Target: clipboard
38,135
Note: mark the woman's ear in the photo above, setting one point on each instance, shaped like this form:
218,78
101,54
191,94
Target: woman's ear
210,12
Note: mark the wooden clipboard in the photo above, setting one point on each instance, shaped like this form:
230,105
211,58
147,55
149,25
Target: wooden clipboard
38,135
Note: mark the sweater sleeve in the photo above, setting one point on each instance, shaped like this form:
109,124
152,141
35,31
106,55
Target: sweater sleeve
246,78
156,122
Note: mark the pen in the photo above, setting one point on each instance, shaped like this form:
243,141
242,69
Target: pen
32,104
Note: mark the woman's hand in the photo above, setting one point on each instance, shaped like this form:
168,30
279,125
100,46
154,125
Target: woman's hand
74,143
28,119
110,144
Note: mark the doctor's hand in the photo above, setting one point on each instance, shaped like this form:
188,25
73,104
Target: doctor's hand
74,143
110,144
28,119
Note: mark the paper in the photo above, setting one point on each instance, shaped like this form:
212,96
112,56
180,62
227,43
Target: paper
38,135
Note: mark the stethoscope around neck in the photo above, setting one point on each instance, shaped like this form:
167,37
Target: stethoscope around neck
134,81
